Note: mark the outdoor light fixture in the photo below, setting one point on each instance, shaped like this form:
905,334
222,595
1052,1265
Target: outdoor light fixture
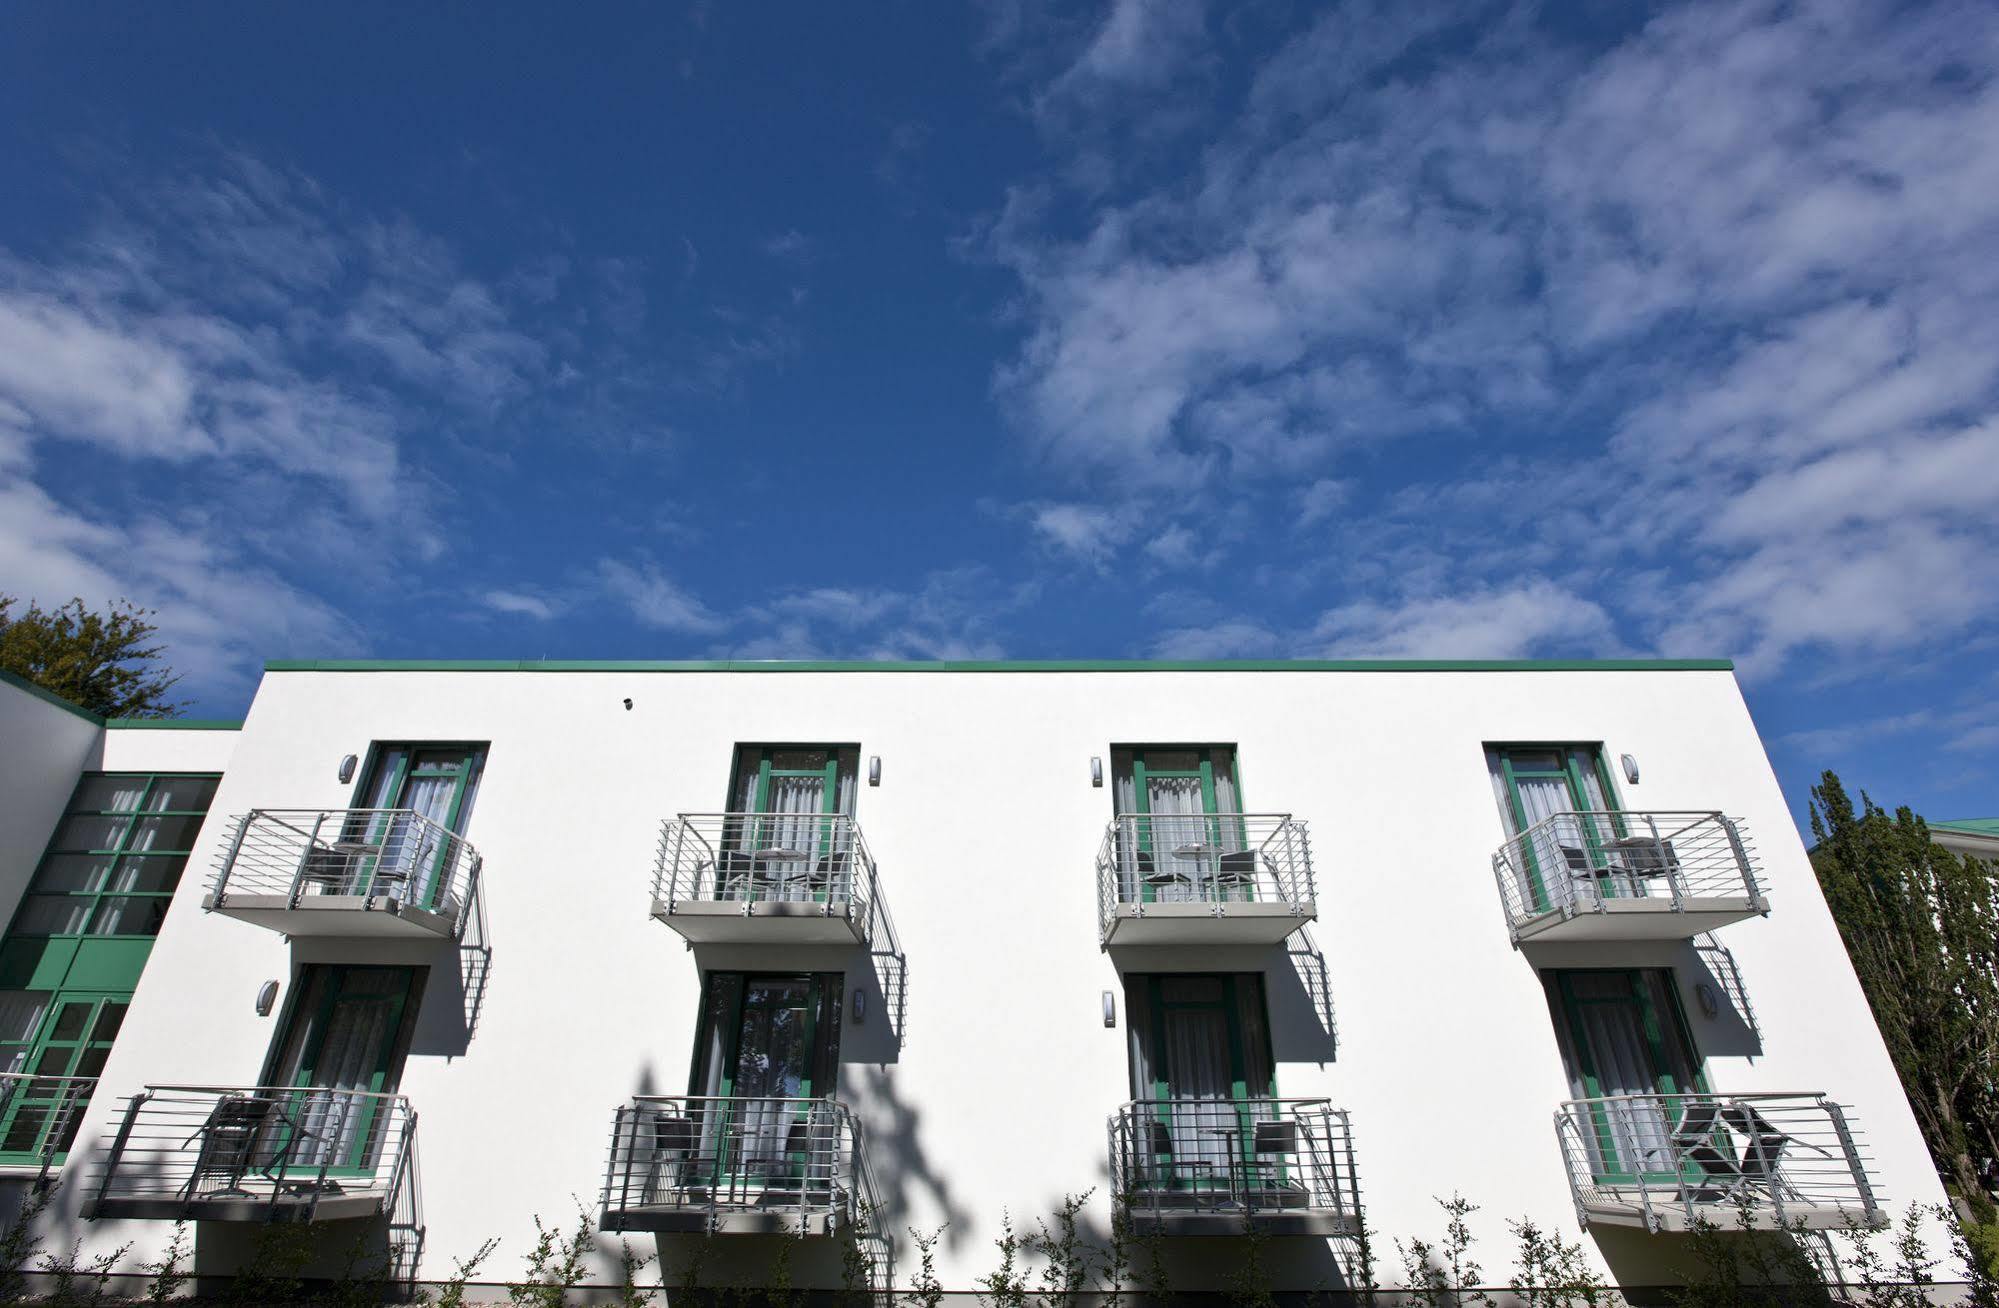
628,703
1110,1009
1709,1004
1630,768
860,1007
874,776
347,768
267,996
1096,772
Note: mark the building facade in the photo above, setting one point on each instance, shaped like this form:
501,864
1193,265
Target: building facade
748,959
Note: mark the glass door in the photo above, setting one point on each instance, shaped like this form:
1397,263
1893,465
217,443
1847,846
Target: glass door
344,1046
405,856
1562,786
787,842
68,1036
1624,1036
1181,843
769,1047
1201,1054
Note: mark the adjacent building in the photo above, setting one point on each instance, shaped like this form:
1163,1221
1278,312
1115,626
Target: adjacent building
790,958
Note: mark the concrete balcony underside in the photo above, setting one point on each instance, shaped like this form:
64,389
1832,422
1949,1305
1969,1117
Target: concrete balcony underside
679,1218
1180,1215
1639,919
1661,1210
323,1206
1196,922
362,917
763,921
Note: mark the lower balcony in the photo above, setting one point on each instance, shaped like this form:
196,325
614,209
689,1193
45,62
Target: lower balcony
1626,876
736,1165
764,878
1675,1162
1203,878
1231,1166
358,873
39,1116
254,1154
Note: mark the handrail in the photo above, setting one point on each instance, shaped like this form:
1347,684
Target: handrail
47,1108
274,1147
1218,860
1648,1157
1590,860
397,856
1234,1156
749,858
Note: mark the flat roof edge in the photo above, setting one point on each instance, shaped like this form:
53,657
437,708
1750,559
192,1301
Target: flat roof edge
1023,665
172,724
48,696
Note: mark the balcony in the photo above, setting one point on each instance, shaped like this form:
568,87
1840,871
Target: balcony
1229,1166
1673,1162
254,1154
773,878
382,873
39,1116
1215,878
1626,876
737,1166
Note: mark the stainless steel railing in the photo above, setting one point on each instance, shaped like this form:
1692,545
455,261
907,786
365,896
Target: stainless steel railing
1216,859
282,1146
39,1115
716,1155
1793,1156
799,858
384,853
1233,1156
1575,862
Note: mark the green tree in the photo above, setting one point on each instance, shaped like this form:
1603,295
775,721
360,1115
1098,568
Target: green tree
106,662
1922,928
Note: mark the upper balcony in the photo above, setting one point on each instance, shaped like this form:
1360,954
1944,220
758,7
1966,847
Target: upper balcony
775,878
1626,876
1203,878
369,872
1672,1162
1228,1166
254,1154
737,1165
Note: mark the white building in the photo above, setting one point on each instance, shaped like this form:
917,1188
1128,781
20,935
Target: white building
769,951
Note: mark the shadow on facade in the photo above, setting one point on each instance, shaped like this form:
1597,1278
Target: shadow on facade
902,1166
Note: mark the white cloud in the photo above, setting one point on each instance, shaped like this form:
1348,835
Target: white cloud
1534,617
656,600
1088,532
1319,500
518,604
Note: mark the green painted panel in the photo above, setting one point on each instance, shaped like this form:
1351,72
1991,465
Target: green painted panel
109,963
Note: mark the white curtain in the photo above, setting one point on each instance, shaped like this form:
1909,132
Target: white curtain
795,825
1614,1035
339,1108
1182,845
1204,1119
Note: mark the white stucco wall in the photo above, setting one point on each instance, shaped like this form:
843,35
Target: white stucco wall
985,828
166,748
43,747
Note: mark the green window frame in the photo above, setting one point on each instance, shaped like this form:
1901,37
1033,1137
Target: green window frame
393,768
298,1054
68,1033
1674,1063
1574,765
1214,766
1252,1069
117,855
718,1050
757,773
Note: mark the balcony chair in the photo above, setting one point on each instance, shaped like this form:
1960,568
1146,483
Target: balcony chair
1700,1138
667,1152
230,1138
1763,1157
1235,876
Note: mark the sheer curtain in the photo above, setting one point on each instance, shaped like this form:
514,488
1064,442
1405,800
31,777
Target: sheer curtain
1181,847
1613,1032
415,849
795,826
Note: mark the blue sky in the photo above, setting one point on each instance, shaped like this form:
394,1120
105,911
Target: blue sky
1116,330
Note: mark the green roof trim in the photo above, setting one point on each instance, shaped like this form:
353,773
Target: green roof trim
1970,826
1023,665
172,724
22,683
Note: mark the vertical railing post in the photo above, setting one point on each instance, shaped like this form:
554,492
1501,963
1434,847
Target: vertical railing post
118,1143
229,859
1853,1163
304,864
1741,856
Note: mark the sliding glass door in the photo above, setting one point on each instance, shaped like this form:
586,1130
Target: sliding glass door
1182,841
1201,1055
1624,1036
768,1047
786,839
1566,788
404,856
342,1049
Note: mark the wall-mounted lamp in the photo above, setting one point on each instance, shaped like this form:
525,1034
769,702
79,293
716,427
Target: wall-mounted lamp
874,770
1630,767
1110,1009
347,768
1704,993
267,998
860,1007
1096,772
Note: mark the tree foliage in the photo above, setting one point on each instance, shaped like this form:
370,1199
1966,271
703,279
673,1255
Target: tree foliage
1922,927
106,661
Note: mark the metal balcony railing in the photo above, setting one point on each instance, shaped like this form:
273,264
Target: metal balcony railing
1596,862
1236,1158
254,1153
395,855
810,860
39,1116
1221,861
1667,1162
737,1163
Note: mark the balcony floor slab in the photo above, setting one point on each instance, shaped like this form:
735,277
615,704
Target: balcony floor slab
364,917
1639,919
239,1208
763,921
1197,922
1623,1208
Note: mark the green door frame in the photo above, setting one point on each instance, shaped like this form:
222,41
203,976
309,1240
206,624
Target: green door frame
379,1077
1140,776
760,796
818,986
1572,777
464,760
30,1099
1239,1089
1657,1028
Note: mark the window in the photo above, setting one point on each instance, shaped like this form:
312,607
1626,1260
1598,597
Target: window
789,834
79,942
1622,1034
1179,831
412,800
1200,1053
1559,806
767,1048
345,1037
